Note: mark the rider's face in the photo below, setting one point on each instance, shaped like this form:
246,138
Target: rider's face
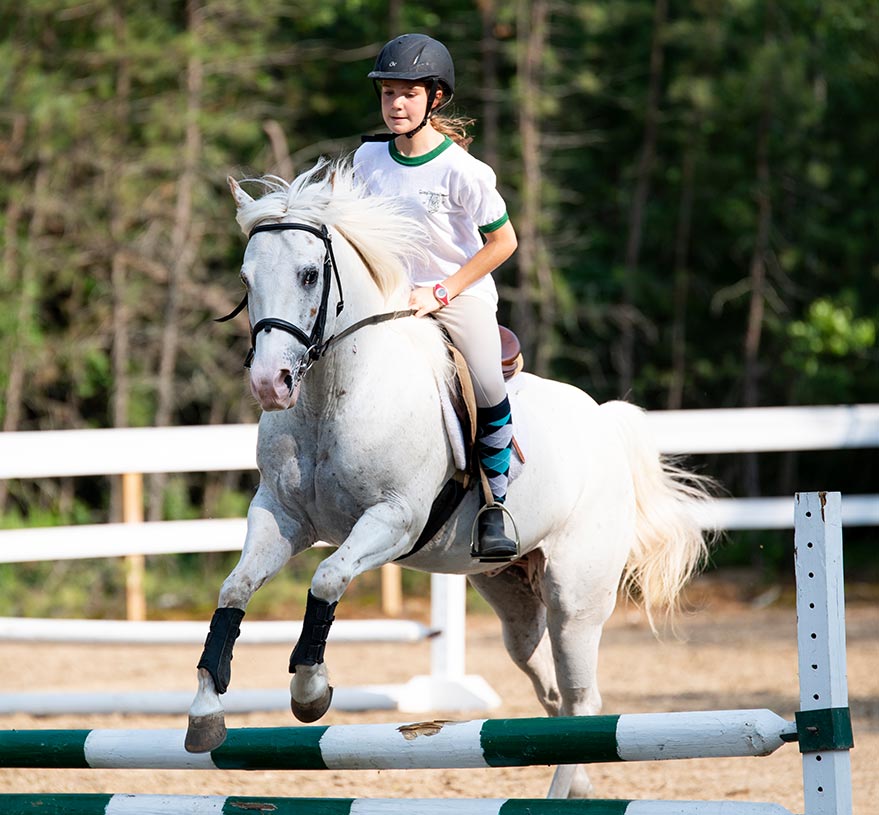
403,104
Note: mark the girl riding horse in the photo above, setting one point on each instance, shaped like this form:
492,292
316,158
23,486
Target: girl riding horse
453,194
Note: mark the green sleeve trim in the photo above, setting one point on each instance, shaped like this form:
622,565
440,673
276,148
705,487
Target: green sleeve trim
494,225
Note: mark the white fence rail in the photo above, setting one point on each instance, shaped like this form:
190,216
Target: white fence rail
52,453
45,454
56,453
134,452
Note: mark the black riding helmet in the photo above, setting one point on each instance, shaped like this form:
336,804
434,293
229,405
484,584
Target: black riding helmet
417,58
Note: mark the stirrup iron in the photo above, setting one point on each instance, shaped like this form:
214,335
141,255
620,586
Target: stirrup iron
474,535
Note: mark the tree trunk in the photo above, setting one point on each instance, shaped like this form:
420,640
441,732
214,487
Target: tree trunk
395,14
625,354
682,283
490,124
27,286
757,271
535,306
184,247
121,350
280,150
11,165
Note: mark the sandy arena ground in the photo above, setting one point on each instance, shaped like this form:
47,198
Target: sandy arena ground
729,655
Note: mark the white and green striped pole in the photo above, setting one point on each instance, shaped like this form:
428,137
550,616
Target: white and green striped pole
84,804
422,745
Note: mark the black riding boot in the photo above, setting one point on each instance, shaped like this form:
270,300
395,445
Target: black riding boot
494,436
492,543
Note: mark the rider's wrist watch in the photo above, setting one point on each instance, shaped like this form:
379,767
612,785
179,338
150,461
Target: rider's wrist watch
441,293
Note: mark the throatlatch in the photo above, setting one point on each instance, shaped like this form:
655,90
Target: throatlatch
319,616
216,658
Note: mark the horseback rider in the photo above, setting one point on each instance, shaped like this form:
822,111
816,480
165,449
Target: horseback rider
424,160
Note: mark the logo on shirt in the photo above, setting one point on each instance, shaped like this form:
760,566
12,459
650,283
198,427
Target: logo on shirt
432,201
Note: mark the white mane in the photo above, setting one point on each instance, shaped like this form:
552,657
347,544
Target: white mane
378,228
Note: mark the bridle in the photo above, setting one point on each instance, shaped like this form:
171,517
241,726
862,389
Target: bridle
315,344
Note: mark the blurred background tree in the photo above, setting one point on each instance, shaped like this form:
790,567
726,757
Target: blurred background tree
694,186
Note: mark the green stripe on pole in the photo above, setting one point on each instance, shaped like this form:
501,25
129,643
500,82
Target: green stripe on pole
527,742
49,804
271,748
561,806
44,748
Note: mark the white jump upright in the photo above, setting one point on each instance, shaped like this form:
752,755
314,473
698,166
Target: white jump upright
447,687
823,721
822,728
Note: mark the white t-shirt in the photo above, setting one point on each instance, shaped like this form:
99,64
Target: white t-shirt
452,193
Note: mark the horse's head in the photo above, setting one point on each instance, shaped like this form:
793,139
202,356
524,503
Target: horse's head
295,289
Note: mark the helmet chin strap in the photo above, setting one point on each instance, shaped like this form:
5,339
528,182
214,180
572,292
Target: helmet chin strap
428,110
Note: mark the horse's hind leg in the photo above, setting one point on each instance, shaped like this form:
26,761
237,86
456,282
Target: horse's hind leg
523,620
580,586
265,552
526,637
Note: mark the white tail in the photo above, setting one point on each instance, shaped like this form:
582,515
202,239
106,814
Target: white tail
670,546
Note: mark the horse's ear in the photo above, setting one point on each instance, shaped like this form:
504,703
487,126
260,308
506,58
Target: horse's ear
241,197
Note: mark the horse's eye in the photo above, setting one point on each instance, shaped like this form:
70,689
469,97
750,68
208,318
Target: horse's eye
309,277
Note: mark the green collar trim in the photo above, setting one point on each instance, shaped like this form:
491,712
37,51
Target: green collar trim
415,161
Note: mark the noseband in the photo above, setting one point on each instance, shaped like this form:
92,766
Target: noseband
314,342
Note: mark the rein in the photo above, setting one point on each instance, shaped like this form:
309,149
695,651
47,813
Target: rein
315,344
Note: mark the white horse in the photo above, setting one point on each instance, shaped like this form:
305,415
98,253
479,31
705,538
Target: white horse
354,453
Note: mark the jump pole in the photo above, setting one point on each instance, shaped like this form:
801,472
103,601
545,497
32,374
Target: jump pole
107,804
447,687
822,728
420,745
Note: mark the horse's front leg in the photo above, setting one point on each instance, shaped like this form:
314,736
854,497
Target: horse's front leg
272,539
381,534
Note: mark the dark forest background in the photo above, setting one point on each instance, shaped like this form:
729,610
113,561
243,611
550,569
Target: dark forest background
694,185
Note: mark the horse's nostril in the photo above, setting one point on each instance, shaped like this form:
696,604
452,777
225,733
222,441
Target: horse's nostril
288,381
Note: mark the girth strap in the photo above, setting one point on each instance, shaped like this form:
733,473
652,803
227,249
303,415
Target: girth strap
448,500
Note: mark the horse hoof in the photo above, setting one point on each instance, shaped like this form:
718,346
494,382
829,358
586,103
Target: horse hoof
312,711
205,733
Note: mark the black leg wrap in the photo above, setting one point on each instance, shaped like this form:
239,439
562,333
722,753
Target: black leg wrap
315,628
216,658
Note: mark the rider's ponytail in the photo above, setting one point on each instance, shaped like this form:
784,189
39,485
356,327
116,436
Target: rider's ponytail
455,127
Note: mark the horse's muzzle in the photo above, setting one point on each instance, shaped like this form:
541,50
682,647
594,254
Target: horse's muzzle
276,389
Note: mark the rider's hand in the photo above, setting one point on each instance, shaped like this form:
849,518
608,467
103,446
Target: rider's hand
424,301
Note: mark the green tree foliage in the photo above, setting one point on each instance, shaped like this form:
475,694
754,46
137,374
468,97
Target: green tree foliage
764,117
